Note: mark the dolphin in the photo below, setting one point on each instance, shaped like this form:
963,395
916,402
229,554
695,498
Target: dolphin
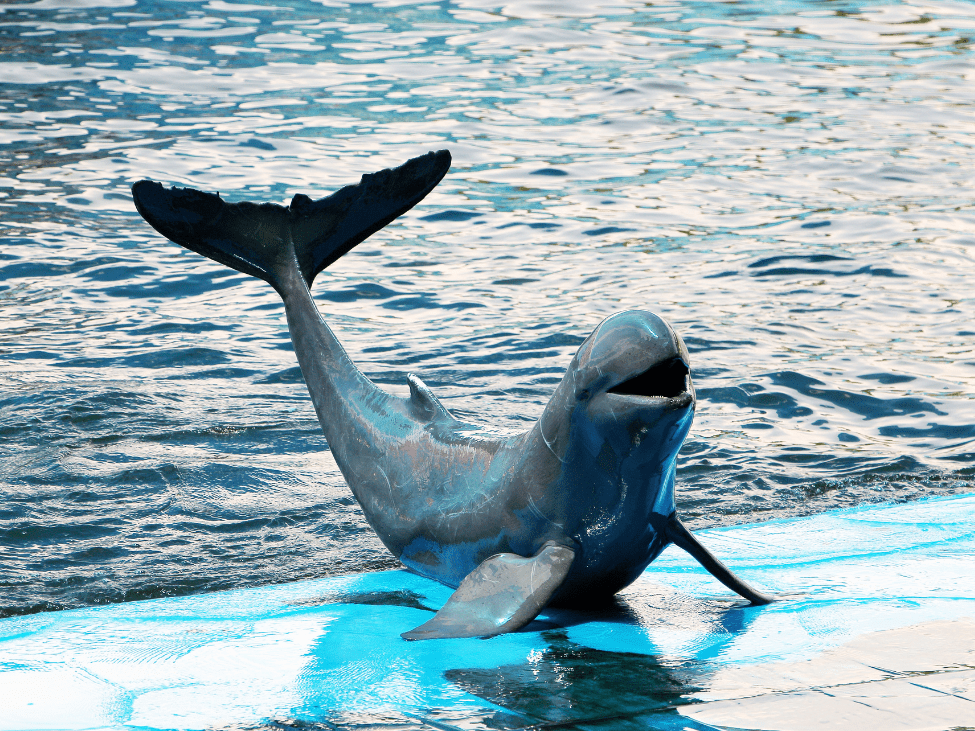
567,513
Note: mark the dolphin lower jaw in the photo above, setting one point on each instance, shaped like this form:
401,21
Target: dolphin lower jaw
648,396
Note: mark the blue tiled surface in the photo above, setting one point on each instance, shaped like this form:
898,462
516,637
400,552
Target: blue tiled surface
325,653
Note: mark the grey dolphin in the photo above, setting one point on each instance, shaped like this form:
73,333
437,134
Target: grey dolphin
568,512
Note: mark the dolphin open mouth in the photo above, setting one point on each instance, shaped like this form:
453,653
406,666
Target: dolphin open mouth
667,380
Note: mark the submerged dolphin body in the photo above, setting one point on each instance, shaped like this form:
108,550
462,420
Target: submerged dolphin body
569,512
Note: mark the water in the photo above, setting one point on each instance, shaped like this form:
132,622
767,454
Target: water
789,183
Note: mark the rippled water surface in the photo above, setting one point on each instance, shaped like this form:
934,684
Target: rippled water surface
789,183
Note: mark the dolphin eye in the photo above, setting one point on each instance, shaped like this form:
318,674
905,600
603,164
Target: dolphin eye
667,379
583,394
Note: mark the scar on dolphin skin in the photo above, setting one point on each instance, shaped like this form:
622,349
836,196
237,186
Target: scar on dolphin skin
568,512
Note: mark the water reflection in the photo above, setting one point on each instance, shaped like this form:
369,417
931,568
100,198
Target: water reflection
569,683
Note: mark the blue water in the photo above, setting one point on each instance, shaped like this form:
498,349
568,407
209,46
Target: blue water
789,183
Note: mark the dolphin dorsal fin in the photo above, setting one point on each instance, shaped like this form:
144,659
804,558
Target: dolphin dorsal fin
427,405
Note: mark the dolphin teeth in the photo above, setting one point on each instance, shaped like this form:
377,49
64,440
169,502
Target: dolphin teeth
667,379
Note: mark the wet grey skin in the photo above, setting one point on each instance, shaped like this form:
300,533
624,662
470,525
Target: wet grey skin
566,513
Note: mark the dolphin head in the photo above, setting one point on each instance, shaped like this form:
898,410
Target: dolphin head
616,423
627,395
628,388
634,398
633,361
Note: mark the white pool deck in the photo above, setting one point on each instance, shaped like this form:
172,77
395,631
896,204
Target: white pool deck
874,628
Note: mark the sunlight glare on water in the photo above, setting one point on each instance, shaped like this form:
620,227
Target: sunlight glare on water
789,183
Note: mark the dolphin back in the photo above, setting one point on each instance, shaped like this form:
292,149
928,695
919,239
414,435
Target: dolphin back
265,240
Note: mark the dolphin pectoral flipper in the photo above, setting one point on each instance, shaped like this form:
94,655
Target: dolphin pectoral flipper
503,594
264,240
678,533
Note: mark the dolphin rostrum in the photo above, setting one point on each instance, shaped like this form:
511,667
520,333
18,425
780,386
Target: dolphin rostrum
566,513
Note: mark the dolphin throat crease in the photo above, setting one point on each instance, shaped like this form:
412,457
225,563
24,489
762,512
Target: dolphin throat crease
567,513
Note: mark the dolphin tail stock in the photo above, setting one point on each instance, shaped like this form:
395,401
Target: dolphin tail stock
503,594
678,533
267,240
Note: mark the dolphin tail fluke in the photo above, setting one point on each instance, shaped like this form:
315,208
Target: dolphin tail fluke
682,537
268,240
503,594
